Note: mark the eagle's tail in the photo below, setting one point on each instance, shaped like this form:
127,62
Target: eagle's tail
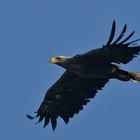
127,75
135,76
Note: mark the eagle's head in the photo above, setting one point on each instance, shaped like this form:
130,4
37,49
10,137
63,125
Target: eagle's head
57,59
62,61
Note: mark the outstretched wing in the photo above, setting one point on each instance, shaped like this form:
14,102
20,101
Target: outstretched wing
119,51
67,97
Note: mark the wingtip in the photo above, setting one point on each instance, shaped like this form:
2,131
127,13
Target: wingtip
46,122
124,28
30,117
112,33
134,41
53,128
114,22
127,38
120,36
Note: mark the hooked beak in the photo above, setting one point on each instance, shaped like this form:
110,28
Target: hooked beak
53,60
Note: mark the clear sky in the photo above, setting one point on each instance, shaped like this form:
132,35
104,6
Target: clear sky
33,31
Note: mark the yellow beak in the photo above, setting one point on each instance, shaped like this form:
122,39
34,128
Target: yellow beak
53,60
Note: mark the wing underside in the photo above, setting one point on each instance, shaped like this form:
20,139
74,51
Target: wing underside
67,97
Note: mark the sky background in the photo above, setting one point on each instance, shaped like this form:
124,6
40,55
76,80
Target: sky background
33,31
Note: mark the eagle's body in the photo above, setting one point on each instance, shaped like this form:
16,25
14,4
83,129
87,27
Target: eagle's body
86,74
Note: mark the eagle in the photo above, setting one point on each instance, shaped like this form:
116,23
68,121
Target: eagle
85,74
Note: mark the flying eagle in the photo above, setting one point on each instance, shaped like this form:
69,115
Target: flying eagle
86,74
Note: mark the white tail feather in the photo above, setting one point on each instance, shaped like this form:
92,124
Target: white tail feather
135,75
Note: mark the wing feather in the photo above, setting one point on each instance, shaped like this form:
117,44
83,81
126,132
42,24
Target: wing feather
127,38
120,51
120,36
112,33
123,51
67,97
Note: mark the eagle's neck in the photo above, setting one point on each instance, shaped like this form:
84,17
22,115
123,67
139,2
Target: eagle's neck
73,64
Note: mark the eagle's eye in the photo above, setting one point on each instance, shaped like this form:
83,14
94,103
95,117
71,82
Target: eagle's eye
59,58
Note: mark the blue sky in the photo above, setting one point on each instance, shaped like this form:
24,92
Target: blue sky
31,32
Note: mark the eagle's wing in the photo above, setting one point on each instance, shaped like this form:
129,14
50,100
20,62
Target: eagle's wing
67,97
119,51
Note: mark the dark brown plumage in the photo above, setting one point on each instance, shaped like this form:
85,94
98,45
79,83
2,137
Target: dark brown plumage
86,74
